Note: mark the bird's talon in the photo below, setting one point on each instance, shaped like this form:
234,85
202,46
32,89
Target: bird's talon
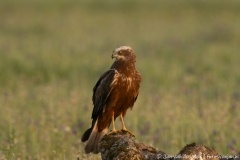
113,131
128,132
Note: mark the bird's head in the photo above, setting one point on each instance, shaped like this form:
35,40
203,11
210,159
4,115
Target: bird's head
124,53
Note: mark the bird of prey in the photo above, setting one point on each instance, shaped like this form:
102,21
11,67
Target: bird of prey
115,91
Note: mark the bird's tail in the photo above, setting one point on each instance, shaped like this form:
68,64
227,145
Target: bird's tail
93,136
86,134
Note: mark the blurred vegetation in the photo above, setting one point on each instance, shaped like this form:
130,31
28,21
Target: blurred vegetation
53,52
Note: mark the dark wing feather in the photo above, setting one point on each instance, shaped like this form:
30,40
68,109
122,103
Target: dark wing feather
101,91
135,98
137,86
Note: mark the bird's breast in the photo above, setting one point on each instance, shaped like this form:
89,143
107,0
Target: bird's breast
126,83
125,86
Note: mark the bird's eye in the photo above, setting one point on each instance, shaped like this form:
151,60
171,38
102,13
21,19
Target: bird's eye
120,52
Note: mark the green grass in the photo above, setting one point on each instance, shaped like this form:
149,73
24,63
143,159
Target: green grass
53,52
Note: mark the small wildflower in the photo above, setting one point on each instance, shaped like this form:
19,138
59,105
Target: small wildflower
74,131
85,108
234,141
234,106
80,124
214,132
142,132
229,145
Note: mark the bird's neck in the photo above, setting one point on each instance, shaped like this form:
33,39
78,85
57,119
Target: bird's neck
124,67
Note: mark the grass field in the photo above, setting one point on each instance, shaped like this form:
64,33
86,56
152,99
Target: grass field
53,52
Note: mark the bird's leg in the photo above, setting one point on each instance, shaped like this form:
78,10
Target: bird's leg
123,125
113,125
122,121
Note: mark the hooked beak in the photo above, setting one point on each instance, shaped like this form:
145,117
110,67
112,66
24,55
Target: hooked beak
114,55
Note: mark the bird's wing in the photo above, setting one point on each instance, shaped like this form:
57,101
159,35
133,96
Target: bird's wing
101,91
137,86
135,98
